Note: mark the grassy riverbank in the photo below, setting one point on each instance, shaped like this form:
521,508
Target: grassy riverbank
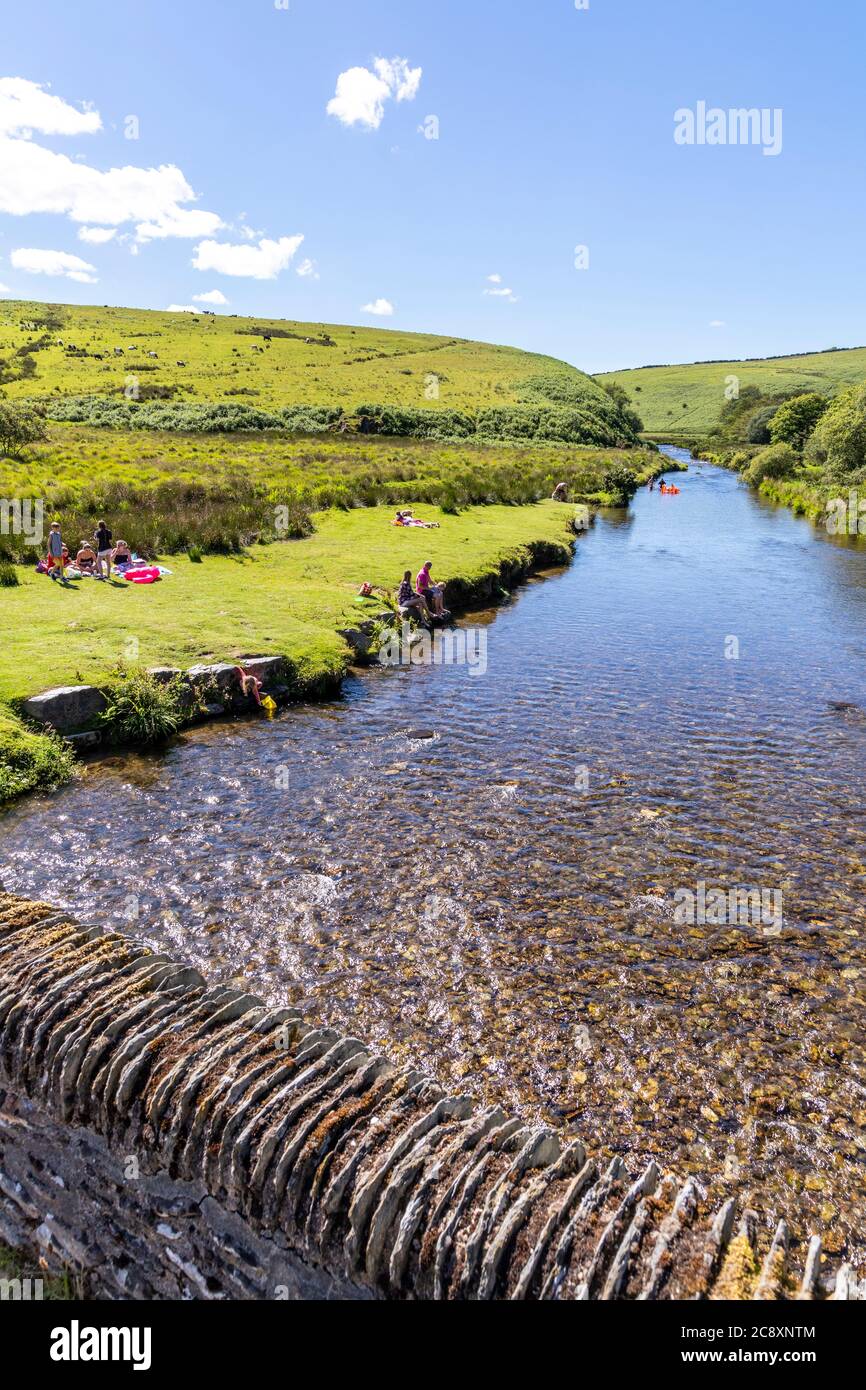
284,599
29,761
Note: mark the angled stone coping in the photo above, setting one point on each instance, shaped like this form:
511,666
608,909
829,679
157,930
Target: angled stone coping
171,1139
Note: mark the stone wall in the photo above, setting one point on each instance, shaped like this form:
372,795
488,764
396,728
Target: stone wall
167,1139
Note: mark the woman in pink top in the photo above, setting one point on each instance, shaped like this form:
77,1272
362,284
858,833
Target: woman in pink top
430,592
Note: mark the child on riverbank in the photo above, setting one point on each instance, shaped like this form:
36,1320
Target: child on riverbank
56,554
104,546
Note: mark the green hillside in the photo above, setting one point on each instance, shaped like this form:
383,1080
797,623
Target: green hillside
65,350
687,399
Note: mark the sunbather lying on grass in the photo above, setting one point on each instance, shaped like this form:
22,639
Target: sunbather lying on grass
405,518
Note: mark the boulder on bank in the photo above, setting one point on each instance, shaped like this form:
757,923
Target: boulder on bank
67,708
220,684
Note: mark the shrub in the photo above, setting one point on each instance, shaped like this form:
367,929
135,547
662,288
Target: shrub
556,409
30,761
778,461
8,575
194,554
141,709
620,483
794,421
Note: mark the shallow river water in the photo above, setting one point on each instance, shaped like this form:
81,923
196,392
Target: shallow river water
488,873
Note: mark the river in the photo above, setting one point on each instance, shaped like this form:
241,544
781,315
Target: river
487,873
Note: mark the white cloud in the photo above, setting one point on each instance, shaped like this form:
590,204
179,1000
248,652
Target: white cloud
307,270
718,323
361,94
53,263
211,297
382,307
4,289
26,106
502,294
495,279
182,309
262,262
34,179
96,236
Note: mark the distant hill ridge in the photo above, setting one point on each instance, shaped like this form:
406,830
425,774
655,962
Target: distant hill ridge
106,365
687,398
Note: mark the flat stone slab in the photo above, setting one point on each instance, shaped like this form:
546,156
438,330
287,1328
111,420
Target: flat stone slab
164,674
67,708
91,739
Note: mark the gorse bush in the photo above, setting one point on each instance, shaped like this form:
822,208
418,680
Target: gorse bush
8,576
557,410
141,709
620,483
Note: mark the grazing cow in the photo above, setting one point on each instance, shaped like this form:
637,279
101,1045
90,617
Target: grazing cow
118,352
153,354
180,364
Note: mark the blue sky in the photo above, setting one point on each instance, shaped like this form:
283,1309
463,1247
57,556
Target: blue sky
556,130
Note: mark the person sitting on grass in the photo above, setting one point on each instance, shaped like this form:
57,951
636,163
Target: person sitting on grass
432,594
121,554
85,560
410,603
104,545
58,555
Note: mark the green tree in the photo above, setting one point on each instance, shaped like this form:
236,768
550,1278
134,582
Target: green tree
758,428
20,425
839,438
620,397
794,421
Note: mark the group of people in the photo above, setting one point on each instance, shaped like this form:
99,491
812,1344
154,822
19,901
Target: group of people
94,557
426,600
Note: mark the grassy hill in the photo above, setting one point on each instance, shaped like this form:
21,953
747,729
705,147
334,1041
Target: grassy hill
686,400
65,350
